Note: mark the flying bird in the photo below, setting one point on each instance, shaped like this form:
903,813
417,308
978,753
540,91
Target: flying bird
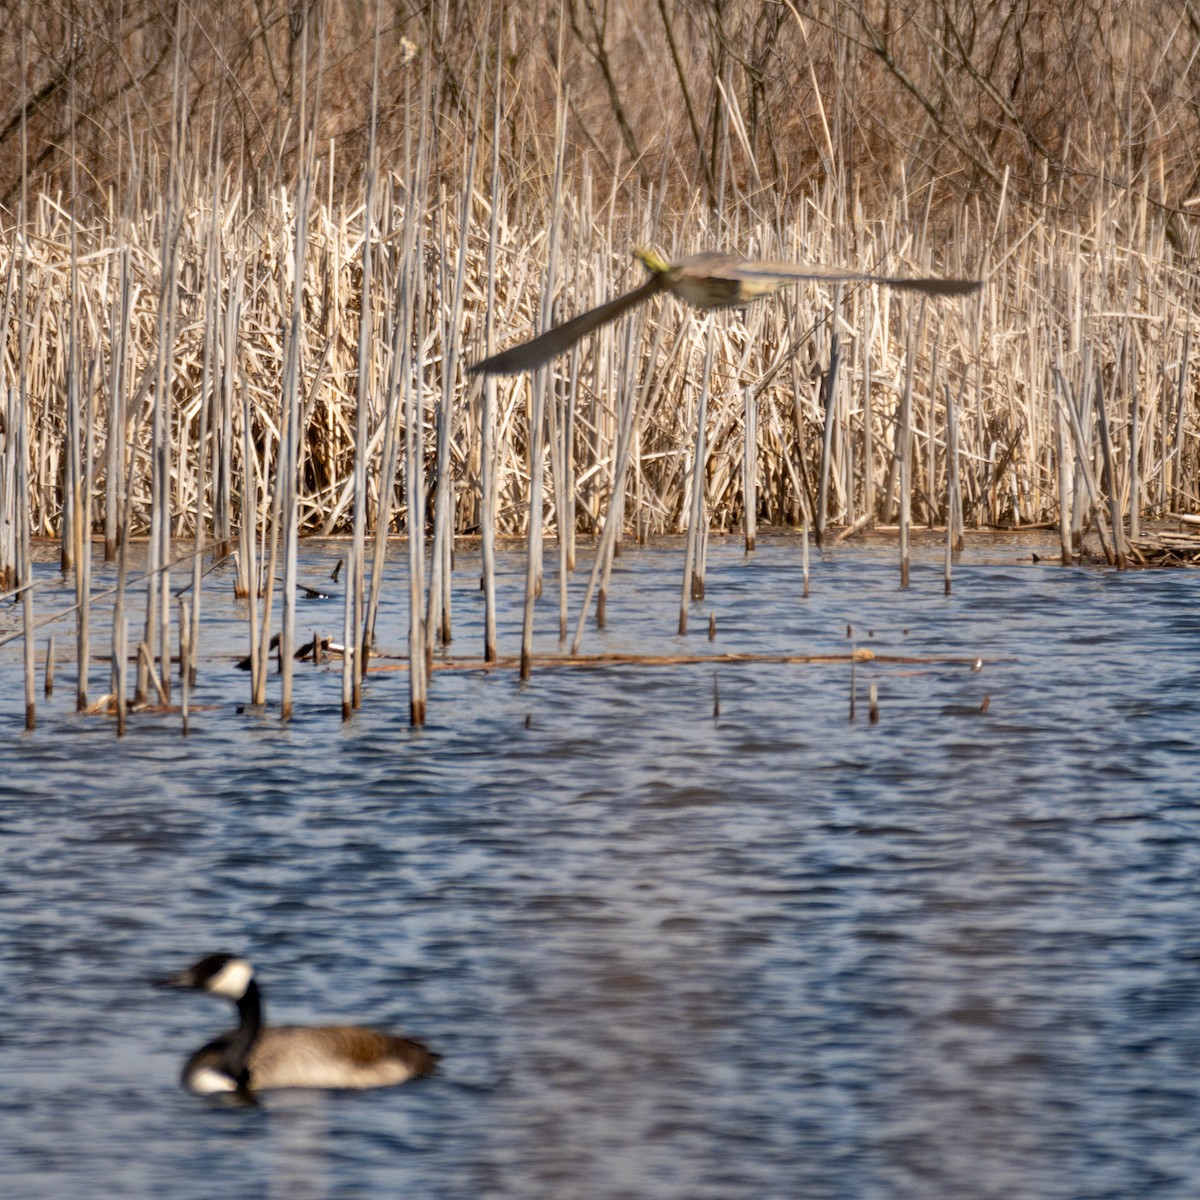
706,280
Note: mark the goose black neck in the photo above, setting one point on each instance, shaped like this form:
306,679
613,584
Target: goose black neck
241,1041
250,1009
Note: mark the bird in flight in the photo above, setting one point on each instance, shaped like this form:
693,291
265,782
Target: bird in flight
706,280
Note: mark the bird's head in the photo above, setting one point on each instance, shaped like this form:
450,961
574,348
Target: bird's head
651,260
221,974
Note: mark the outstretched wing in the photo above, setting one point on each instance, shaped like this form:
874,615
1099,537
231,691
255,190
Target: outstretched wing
528,356
769,273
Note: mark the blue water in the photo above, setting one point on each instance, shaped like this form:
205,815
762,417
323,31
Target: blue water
770,953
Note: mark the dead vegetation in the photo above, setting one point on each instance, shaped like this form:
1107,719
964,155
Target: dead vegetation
247,255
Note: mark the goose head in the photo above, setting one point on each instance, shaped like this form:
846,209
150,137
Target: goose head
225,975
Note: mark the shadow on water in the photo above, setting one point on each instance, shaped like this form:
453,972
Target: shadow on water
774,953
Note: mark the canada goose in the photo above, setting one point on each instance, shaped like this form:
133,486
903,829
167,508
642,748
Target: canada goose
255,1056
706,280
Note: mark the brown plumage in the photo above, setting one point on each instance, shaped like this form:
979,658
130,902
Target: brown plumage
710,279
322,1056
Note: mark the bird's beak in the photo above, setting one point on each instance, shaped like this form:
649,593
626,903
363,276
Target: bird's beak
182,980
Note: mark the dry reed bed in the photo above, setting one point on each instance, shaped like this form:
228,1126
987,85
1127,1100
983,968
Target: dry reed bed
174,373
223,331
1068,315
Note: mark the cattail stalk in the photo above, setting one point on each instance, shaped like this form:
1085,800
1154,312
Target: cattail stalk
354,577
750,466
693,580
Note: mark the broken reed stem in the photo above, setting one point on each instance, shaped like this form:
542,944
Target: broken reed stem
750,465
414,487
693,577
601,565
185,647
185,661
353,616
488,511
1065,482
151,673
533,582
247,542
948,556
828,395
600,661
21,438
207,402
1067,397
265,586
115,445
1110,477
1135,482
441,517
630,392
904,448
804,556
563,484
120,655
83,575
539,398
487,410
287,482
347,642
953,495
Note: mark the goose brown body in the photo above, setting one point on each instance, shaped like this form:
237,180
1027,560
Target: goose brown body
321,1056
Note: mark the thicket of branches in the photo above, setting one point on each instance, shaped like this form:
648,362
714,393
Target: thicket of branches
1060,97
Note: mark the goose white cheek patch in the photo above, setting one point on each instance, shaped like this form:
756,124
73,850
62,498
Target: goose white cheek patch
232,979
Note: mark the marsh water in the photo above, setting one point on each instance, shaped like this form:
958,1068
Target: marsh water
665,951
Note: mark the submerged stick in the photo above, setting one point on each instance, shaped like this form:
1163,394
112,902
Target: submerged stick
544,661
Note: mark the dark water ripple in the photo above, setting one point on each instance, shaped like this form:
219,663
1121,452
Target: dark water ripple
772,954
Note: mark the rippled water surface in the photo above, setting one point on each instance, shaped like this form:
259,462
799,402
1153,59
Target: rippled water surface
665,953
